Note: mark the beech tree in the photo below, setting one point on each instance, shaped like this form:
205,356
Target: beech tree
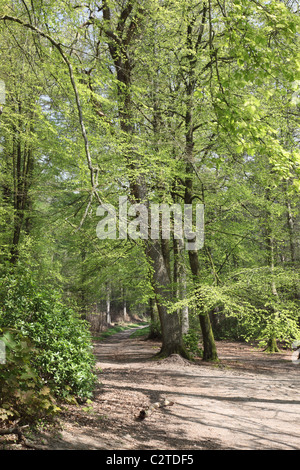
166,102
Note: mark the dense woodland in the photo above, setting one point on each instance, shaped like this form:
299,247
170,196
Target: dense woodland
162,101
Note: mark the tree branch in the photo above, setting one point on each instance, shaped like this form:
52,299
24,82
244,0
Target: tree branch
58,46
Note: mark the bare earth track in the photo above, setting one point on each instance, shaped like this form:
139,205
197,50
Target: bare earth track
250,401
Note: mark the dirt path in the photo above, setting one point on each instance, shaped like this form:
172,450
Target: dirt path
250,401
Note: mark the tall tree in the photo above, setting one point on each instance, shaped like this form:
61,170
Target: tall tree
120,38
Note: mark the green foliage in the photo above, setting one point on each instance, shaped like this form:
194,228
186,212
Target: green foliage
24,395
61,339
155,329
247,309
116,329
223,78
141,332
191,341
271,316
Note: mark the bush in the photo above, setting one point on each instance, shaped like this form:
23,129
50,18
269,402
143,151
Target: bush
24,395
249,310
155,330
62,354
191,342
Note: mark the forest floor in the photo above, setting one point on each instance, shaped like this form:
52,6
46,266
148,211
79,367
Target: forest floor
248,401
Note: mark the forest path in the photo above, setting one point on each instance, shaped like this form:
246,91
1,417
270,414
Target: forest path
249,401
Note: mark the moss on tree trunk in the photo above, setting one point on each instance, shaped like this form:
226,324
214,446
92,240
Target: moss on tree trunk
272,346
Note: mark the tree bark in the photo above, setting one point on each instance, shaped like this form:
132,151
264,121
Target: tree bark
172,342
210,351
23,161
108,314
209,346
157,253
185,310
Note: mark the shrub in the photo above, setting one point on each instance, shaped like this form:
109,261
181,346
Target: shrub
249,310
62,354
24,395
191,341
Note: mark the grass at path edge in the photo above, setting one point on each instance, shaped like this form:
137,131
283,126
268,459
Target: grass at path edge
119,328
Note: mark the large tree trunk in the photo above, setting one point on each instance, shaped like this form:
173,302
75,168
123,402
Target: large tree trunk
170,325
119,50
209,346
210,351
